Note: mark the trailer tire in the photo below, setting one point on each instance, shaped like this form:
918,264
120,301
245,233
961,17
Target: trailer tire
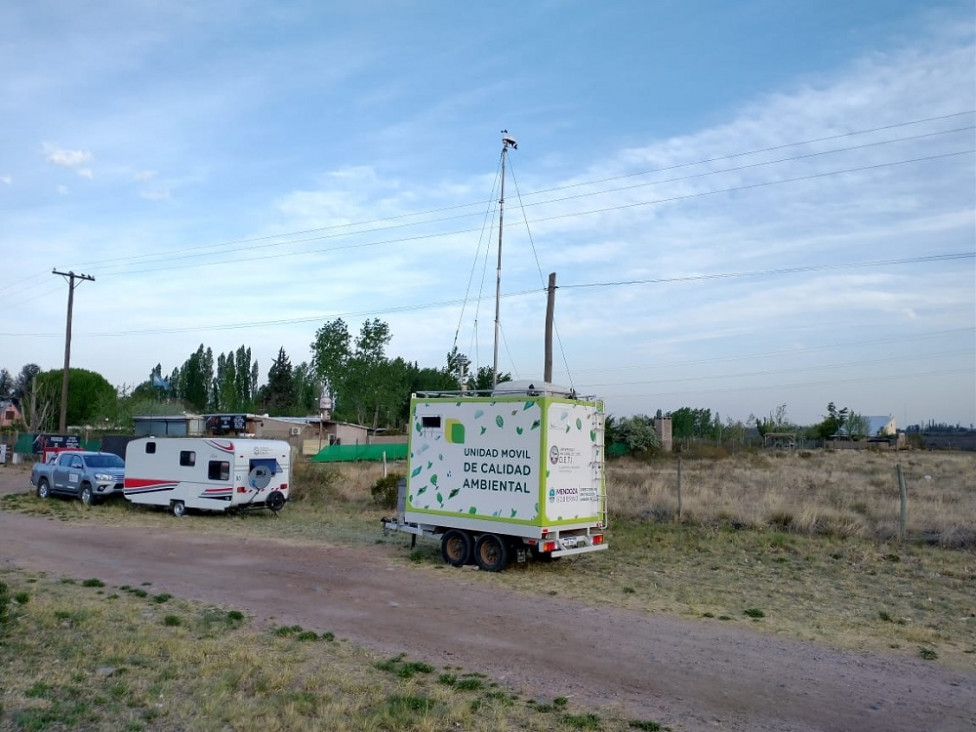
456,547
86,495
43,489
491,553
178,508
276,501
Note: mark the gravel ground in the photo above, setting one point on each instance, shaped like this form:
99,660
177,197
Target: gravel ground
685,674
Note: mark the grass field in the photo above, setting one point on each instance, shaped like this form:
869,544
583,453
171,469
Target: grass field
799,544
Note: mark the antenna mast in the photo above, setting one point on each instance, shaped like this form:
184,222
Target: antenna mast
507,141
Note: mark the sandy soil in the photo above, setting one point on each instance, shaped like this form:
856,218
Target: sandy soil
685,674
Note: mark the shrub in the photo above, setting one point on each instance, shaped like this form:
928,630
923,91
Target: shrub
384,490
314,483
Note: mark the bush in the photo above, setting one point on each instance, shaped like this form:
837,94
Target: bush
314,483
384,490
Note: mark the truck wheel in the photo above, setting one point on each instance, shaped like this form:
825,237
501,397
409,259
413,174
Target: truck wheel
456,548
178,508
86,495
491,553
43,489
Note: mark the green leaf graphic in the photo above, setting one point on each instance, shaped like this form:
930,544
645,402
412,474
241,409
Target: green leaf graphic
514,511
579,423
537,424
429,465
416,472
499,421
478,413
421,490
454,492
483,429
433,479
519,430
528,405
472,510
440,499
592,435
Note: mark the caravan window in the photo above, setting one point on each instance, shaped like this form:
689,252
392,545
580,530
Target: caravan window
219,470
188,457
150,447
431,423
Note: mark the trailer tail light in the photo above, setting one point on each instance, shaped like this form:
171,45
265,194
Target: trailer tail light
548,546
284,487
241,489
596,539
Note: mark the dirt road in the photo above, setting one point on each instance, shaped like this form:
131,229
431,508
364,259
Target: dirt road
688,675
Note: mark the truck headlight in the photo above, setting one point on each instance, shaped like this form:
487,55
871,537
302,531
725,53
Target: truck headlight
103,476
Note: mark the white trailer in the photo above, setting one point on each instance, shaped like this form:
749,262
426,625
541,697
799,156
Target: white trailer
207,473
496,477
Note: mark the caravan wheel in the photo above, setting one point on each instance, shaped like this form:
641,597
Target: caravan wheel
178,508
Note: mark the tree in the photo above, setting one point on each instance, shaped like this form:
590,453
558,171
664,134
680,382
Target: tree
90,396
307,390
7,384
858,426
196,379
279,394
25,380
687,423
330,353
832,423
637,433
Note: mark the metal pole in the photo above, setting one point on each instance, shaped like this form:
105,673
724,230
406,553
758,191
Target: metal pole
903,495
498,270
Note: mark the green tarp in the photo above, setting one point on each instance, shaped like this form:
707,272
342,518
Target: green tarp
352,453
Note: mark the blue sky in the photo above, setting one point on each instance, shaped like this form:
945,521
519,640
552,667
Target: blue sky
746,204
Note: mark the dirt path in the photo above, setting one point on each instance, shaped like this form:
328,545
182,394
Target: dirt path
688,675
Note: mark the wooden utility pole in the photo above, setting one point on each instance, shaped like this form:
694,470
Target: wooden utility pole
550,309
63,422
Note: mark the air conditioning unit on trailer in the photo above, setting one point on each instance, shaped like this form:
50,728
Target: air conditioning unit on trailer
295,431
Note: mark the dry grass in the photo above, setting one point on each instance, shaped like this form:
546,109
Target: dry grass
838,494
808,540
85,656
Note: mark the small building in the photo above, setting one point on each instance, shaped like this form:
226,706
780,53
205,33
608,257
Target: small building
10,413
168,425
308,435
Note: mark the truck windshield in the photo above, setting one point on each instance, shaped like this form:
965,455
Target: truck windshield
105,461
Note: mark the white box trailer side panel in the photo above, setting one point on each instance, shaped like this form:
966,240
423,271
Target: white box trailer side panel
476,457
528,462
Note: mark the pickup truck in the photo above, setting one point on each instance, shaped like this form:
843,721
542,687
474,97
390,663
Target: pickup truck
85,475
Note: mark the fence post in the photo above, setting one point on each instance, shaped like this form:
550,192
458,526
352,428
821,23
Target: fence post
679,487
903,494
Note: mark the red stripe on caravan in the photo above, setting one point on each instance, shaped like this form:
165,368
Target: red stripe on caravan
145,482
225,445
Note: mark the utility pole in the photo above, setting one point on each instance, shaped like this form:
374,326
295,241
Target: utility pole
63,422
550,309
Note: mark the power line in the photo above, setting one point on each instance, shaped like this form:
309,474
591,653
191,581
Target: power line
222,247
607,209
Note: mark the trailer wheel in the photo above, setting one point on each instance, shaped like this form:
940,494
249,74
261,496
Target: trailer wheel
178,508
491,553
456,547
43,489
86,495
276,501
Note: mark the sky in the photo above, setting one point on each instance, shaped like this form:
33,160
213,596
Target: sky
746,204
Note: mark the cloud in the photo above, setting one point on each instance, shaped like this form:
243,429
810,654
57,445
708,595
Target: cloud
66,158
6,180
145,175
156,194
63,190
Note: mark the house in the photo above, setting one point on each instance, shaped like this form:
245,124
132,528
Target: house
168,425
9,413
306,434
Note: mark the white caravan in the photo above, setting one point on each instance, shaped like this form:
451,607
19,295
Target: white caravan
207,473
